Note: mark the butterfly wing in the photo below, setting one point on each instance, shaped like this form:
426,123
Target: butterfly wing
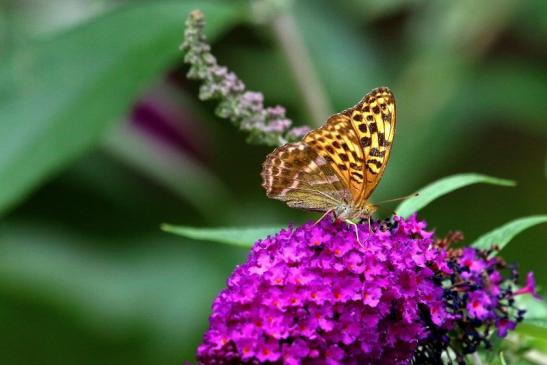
338,143
303,179
357,142
339,163
374,121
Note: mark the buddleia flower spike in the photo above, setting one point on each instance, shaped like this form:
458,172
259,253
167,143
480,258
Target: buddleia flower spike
265,125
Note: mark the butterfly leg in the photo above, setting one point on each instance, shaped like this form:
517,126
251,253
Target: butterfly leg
323,216
370,230
356,231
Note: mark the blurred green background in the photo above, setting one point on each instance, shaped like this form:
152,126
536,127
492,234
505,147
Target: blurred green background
102,139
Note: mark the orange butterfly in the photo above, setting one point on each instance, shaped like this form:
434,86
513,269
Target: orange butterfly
336,168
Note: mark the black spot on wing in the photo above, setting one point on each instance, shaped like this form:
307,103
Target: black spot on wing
374,152
382,140
366,141
374,162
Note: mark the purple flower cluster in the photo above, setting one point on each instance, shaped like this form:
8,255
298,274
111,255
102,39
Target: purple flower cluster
481,282
479,299
244,108
314,295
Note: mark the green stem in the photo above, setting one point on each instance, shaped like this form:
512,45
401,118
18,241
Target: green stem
316,101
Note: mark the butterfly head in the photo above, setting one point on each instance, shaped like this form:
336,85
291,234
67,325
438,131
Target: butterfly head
368,209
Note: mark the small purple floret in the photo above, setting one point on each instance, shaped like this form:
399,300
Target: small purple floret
530,287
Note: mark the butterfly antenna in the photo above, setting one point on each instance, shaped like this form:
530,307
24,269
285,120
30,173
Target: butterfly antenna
397,199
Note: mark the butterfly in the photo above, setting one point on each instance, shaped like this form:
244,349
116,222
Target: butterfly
336,167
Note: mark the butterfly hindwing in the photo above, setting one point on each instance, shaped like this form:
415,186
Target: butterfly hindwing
297,175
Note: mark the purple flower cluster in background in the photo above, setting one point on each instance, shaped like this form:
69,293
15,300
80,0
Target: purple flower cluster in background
244,108
314,295
480,299
484,291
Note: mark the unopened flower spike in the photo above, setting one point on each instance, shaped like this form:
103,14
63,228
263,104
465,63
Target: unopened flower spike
265,125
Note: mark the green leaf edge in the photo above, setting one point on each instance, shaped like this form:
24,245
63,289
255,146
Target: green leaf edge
441,187
222,234
501,236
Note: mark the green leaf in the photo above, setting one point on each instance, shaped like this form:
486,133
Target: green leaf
58,96
503,235
533,327
535,309
444,186
244,237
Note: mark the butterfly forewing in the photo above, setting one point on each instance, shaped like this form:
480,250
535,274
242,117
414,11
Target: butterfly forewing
374,120
338,164
338,143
